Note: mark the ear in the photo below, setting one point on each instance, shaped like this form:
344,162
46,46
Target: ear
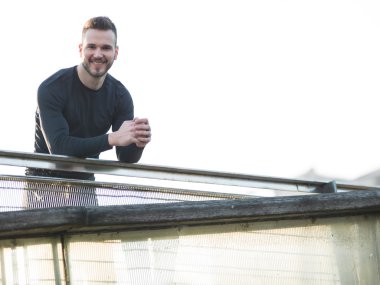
80,48
116,52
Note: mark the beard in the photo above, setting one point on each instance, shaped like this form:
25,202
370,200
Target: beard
97,71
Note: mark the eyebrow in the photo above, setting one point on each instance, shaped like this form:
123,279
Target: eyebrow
102,46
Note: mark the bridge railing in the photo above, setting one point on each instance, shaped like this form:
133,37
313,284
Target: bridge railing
205,228
195,179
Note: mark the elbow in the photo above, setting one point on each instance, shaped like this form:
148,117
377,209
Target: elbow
58,149
129,158
57,146
130,154
66,150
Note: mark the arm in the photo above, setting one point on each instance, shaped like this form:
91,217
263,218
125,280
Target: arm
130,139
130,135
55,128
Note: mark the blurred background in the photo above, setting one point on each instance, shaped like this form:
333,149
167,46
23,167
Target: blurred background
270,88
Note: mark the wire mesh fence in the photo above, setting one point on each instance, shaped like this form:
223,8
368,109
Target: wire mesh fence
19,193
331,251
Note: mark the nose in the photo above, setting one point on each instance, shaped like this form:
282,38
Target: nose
98,52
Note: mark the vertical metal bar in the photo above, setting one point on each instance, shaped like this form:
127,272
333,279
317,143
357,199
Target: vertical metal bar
15,265
26,264
65,257
57,273
3,272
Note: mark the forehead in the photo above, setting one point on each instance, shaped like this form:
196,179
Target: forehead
99,37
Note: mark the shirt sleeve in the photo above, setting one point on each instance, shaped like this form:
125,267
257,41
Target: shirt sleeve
125,112
55,128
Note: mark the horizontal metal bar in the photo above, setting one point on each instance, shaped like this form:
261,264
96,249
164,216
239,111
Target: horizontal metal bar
67,220
97,166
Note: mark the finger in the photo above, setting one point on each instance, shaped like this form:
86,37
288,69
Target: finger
144,140
144,134
142,127
141,120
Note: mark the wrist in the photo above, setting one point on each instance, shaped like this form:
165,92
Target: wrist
111,140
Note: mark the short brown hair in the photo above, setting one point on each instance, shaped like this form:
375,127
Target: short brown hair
99,23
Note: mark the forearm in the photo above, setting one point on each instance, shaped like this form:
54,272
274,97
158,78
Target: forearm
58,139
79,147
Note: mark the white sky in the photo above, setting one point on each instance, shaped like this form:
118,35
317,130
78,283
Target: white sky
269,87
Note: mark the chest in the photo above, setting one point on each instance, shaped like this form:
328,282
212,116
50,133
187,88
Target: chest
89,114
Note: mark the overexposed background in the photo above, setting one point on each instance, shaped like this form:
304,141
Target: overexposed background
270,88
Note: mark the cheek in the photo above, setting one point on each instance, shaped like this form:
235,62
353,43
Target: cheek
85,55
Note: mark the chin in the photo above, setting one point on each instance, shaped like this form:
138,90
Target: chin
98,73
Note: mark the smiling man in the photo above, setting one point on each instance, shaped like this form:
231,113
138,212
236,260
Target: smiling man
77,106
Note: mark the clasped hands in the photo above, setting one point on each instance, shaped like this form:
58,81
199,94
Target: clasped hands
136,131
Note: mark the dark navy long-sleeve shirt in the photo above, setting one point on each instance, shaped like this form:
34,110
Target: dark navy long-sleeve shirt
73,120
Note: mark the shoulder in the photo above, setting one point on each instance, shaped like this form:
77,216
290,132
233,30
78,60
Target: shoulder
55,87
120,97
118,88
59,78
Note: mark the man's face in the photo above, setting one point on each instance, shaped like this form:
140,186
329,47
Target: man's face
98,50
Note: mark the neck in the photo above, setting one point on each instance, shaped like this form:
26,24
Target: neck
89,81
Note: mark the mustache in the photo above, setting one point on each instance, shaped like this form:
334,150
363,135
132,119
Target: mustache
97,59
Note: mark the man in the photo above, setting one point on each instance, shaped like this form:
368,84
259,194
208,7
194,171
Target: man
77,106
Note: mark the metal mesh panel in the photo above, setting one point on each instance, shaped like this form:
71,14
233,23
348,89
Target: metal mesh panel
33,261
330,251
18,193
